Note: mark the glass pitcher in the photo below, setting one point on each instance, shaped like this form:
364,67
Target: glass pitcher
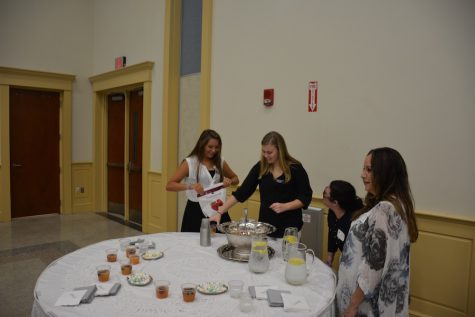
296,268
259,257
291,236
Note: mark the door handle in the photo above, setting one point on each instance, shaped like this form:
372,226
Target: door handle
112,164
17,165
132,168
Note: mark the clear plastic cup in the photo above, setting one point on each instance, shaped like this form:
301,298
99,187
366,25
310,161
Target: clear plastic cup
124,243
130,250
134,259
213,227
111,255
235,288
189,291
125,266
142,247
245,303
103,272
161,288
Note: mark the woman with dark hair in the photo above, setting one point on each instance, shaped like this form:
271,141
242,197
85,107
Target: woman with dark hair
203,167
341,200
283,183
373,278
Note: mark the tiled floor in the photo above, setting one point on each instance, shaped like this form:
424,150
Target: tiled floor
28,245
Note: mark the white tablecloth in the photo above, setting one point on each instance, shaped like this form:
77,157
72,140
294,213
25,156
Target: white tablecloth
184,261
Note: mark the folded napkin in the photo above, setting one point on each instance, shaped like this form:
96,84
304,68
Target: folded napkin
274,297
89,296
137,240
261,291
106,289
72,298
150,244
293,303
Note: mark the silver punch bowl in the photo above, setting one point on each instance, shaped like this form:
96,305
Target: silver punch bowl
239,235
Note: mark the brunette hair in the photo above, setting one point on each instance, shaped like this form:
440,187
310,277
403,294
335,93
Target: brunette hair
345,194
199,151
285,159
391,183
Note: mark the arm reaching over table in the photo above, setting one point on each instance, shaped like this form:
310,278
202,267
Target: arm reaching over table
231,201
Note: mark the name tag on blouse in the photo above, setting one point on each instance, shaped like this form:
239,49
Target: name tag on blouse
340,235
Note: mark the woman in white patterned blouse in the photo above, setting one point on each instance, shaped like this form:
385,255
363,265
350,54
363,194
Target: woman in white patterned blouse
373,278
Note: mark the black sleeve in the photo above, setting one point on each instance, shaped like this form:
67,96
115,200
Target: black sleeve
332,247
249,185
304,191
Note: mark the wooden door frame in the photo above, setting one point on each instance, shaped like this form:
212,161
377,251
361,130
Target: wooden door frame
171,87
36,80
206,42
122,80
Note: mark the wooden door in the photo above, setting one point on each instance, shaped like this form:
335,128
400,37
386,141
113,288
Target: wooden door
34,152
115,154
135,156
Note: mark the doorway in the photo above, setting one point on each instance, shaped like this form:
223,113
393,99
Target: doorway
34,152
124,156
128,79
115,155
135,156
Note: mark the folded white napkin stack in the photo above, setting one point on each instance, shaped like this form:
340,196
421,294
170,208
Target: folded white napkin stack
72,298
293,303
261,291
104,289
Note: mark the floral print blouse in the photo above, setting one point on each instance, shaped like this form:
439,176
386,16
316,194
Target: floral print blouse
376,258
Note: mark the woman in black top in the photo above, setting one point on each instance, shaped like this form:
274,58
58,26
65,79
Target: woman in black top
283,183
340,197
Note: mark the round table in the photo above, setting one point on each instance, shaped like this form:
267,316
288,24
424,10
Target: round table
184,261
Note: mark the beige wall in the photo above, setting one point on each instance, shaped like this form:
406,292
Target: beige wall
82,37
188,127
54,36
396,73
382,82
134,29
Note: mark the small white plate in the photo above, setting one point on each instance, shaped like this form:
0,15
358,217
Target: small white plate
152,255
139,279
212,288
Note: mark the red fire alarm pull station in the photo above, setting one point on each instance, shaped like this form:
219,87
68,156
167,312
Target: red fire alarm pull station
312,96
120,62
268,97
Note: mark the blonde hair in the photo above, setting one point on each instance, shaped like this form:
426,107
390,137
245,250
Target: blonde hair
285,159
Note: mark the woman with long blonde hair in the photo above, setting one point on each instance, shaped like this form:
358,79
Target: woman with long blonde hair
284,186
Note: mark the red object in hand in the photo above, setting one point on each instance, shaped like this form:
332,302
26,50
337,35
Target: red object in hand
219,202
215,206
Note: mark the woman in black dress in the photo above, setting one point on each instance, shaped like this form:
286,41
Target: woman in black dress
341,200
203,167
283,183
